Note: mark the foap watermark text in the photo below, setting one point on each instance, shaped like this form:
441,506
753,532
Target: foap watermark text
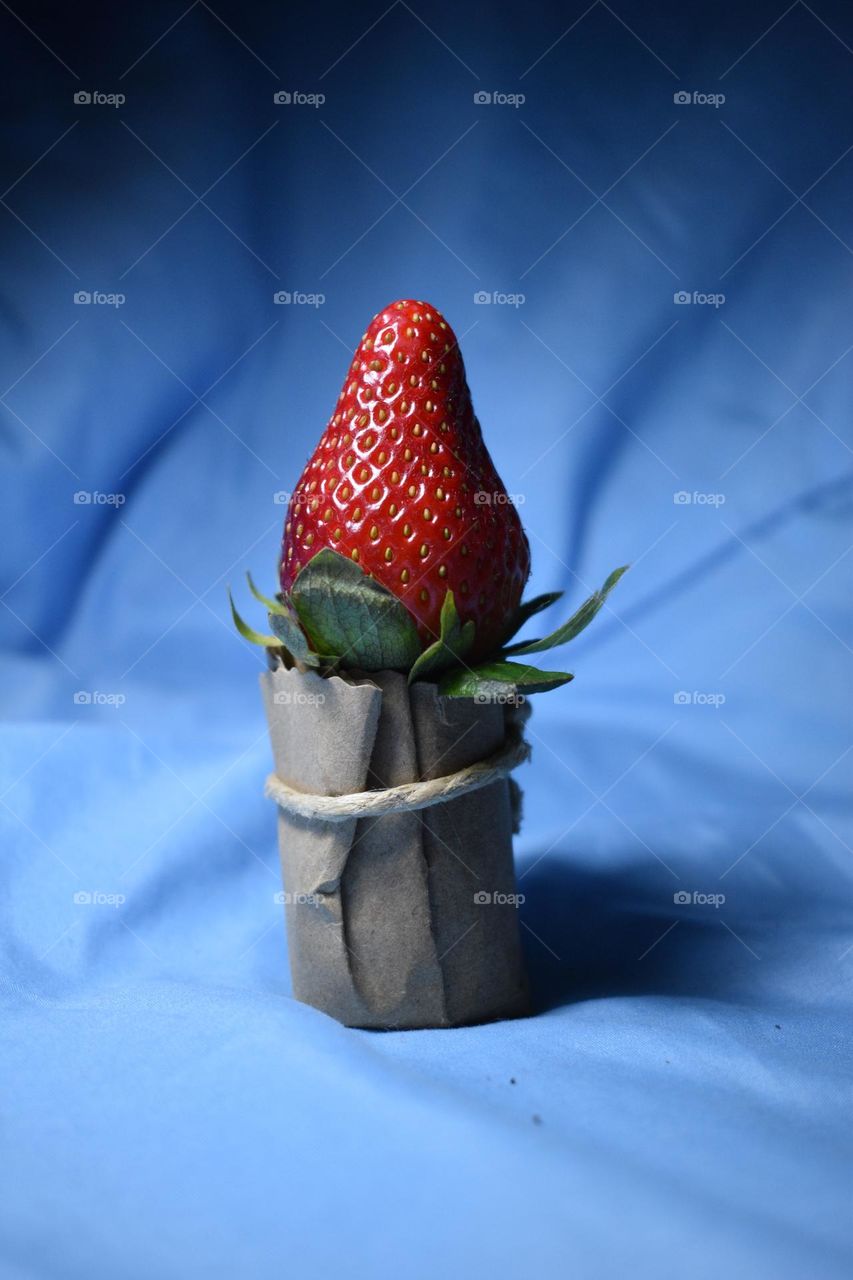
95,98
485,899
696,298
296,98
682,898
494,297
96,298
686,498
696,698
94,498
97,898
503,698
295,298
286,899
495,98
298,698
97,698
497,498
695,98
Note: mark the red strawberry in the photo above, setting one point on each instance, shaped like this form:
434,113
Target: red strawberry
402,482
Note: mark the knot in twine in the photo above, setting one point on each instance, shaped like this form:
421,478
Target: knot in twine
410,795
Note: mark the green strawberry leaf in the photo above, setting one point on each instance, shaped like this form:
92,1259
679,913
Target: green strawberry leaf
528,608
451,646
287,632
286,626
497,680
274,606
351,617
582,618
256,637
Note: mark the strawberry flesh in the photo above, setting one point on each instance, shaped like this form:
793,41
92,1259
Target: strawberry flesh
402,483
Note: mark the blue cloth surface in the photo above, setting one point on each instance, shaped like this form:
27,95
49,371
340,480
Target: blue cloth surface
679,1103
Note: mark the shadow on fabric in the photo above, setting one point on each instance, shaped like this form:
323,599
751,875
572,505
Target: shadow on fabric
595,934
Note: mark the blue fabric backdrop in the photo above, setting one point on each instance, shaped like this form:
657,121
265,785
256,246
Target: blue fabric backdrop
680,1102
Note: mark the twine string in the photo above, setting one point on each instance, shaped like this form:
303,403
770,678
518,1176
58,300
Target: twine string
410,796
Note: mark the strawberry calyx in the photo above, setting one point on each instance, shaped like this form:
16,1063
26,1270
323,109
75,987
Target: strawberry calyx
337,618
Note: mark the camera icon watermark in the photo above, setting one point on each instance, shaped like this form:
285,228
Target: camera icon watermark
685,498
483,898
298,498
495,98
295,298
696,698
500,698
95,298
296,98
85,98
96,698
298,698
494,297
684,298
97,898
682,898
684,98
286,899
94,498
493,498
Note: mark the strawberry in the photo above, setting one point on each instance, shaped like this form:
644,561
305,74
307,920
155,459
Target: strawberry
402,483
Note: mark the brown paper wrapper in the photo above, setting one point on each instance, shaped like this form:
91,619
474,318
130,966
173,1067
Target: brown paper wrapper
409,919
